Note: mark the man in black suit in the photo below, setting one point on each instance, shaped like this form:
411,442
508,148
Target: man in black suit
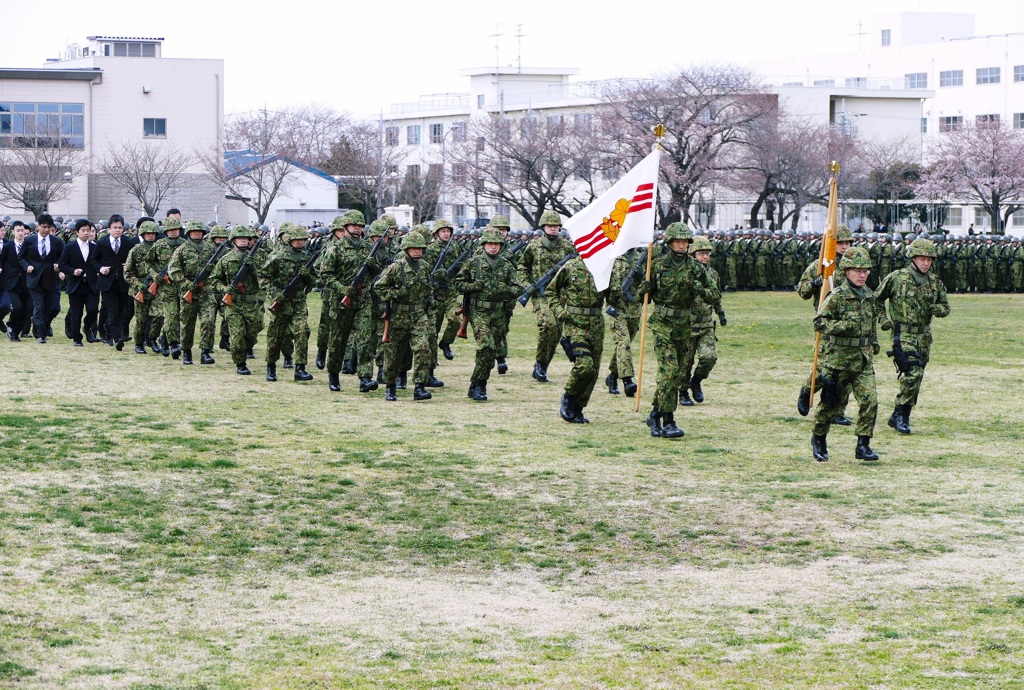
80,283
108,260
40,259
12,281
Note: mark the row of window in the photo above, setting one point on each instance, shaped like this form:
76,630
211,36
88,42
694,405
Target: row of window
955,122
42,125
413,133
955,218
955,77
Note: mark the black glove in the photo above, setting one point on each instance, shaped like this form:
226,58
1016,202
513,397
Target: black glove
817,282
721,319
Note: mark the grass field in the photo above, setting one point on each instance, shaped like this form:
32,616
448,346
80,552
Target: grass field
165,526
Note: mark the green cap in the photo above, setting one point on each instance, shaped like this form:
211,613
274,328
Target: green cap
855,257
549,218
149,226
922,247
413,240
492,235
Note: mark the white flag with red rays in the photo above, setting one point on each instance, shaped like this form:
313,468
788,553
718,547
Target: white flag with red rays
618,220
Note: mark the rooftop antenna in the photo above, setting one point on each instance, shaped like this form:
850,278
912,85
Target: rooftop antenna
860,32
497,43
519,48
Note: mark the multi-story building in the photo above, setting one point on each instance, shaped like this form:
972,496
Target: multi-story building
107,92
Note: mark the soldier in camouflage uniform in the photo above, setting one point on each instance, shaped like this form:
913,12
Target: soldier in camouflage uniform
404,289
209,312
625,323
327,296
444,304
290,322
245,311
167,296
914,295
488,280
1016,264
846,321
538,258
187,261
676,280
502,225
702,343
149,318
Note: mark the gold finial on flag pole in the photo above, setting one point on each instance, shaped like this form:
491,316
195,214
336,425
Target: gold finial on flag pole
833,167
659,131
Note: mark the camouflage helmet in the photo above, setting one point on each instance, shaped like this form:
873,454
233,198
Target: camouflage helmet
502,222
413,240
296,232
701,244
377,229
149,226
217,231
354,217
388,221
172,224
678,231
491,235
338,223
196,226
843,234
285,229
242,232
855,257
921,247
441,224
550,218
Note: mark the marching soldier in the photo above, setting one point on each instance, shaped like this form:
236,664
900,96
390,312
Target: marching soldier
702,348
625,324
187,261
245,311
289,316
149,318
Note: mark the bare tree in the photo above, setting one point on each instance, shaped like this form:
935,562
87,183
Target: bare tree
706,110
36,171
148,171
366,165
310,133
983,162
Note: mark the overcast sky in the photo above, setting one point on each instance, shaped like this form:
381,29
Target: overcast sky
362,56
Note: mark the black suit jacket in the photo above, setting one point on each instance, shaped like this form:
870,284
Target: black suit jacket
72,260
103,255
13,276
43,276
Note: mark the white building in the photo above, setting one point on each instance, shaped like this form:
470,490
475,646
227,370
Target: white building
114,89
306,194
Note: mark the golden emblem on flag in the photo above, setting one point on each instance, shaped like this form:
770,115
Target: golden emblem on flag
612,224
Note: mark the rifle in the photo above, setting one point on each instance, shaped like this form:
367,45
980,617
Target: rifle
538,287
463,311
200,280
289,290
627,284
360,276
386,337
140,296
242,274
454,268
161,277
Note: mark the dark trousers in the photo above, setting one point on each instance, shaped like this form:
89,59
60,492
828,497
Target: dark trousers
85,300
45,307
20,303
118,306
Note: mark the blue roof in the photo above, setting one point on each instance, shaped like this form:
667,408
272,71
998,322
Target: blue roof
239,162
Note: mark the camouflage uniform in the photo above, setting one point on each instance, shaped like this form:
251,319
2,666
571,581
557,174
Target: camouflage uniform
913,299
703,349
577,305
246,309
846,321
148,318
538,258
625,323
186,263
291,320
167,296
488,282
443,306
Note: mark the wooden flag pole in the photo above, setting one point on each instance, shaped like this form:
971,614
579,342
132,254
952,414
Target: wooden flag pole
831,229
659,132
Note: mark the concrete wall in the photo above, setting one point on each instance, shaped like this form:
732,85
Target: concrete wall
197,197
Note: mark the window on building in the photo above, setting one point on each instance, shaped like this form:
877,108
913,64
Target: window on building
953,77
886,38
981,217
951,123
480,144
459,173
584,172
42,125
412,171
436,133
131,49
988,75
154,127
1018,120
1017,219
582,122
924,125
792,83
391,136
991,119
458,131
824,82
955,217
856,82
412,135
391,170
554,125
1018,73
460,213
480,100
917,80
435,171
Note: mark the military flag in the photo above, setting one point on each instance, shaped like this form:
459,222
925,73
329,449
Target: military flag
827,260
618,220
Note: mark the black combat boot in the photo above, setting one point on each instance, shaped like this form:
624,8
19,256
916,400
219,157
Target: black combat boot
165,349
380,374
897,422
578,418
420,392
271,372
333,382
140,350
629,386
186,356
864,451
446,350
684,398
224,344
154,346
540,372
242,370
175,349
389,392
906,417
366,384
321,359
698,392
301,374
803,402
842,420
249,354
612,381
348,367
288,363
206,357
478,391
819,446
403,380
669,428
433,381
568,408
654,421
502,365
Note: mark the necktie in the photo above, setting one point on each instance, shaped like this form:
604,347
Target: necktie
117,245
46,247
